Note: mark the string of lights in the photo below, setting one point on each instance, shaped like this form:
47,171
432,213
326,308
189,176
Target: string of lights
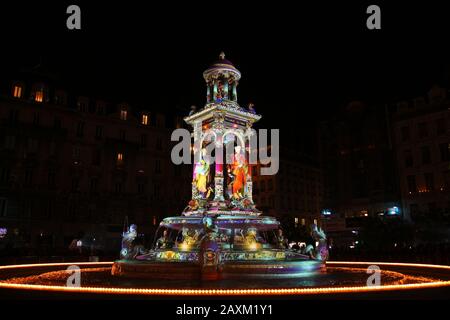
230,292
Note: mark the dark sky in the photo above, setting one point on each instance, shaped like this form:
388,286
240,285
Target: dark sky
298,63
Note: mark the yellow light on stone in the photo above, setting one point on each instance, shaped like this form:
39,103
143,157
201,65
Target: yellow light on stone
185,246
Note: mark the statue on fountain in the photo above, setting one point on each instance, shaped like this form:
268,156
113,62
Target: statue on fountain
251,108
238,170
128,238
190,237
163,242
220,92
201,175
282,241
320,251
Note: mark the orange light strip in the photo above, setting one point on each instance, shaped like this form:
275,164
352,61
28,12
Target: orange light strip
225,292
64,264
393,264
232,292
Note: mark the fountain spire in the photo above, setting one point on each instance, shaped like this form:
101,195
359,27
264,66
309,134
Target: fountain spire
224,186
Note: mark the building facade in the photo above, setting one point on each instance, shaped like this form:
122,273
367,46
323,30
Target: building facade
359,171
73,165
357,157
295,193
421,130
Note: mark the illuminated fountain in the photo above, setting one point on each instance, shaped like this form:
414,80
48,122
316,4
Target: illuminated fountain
222,236
221,233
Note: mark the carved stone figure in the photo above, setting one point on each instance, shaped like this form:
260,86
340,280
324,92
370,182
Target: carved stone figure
163,242
238,170
128,238
201,175
320,251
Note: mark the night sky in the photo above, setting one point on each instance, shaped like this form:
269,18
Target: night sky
298,63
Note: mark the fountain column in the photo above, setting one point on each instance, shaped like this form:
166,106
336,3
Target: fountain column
218,184
235,91
215,92
218,178
249,182
208,94
197,153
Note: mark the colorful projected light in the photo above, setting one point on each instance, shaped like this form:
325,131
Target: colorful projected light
394,211
221,230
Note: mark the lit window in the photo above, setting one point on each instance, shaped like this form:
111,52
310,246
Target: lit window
144,119
123,114
39,96
119,158
17,92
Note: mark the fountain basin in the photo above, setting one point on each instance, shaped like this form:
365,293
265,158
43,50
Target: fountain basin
341,280
229,270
